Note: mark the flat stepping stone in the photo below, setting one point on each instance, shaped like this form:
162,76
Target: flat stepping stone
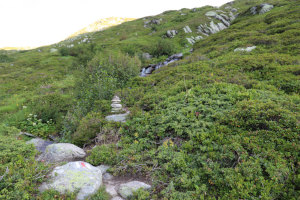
126,190
40,144
61,152
74,176
117,117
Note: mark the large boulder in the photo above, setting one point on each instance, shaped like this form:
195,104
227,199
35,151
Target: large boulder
62,152
126,190
261,9
74,176
39,144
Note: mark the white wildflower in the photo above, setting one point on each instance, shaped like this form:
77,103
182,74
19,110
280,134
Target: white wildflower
33,123
24,107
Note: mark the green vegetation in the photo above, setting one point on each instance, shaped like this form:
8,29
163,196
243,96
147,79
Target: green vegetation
218,124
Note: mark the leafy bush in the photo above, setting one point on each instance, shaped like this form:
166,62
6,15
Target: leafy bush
104,154
51,107
37,127
88,128
162,47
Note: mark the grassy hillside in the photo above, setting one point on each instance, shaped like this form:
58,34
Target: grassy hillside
218,124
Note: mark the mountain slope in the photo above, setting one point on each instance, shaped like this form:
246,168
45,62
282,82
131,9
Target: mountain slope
222,123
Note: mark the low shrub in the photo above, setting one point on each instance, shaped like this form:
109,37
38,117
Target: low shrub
104,154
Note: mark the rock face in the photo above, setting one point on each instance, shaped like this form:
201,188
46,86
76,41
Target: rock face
171,33
75,176
126,190
150,68
61,152
248,49
39,144
214,27
261,9
53,50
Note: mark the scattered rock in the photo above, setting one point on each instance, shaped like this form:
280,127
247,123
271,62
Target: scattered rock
171,33
126,190
151,22
265,8
103,168
117,117
39,144
192,40
107,176
261,9
187,29
248,49
61,152
74,176
211,14
53,50
146,56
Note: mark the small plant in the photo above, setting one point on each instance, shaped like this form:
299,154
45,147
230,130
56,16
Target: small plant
37,127
104,154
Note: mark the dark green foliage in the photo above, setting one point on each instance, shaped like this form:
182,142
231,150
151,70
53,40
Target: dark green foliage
51,107
162,47
104,154
88,128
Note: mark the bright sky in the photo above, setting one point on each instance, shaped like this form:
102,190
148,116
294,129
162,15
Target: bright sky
43,22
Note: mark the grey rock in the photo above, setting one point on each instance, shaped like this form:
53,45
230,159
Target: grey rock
103,168
111,190
265,8
126,190
61,152
187,29
211,14
261,9
107,176
117,198
248,49
171,33
52,50
146,56
74,176
234,10
117,117
39,144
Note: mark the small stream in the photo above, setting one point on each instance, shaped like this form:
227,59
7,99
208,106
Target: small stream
146,71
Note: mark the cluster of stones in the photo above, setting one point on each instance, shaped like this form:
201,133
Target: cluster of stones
79,176
261,9
116,104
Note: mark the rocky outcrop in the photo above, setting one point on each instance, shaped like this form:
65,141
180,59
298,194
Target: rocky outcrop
192,40
39,144
150,68
261,9
224,20
171,33
74,176
61,152
126,190
187,29
148,23
248,49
